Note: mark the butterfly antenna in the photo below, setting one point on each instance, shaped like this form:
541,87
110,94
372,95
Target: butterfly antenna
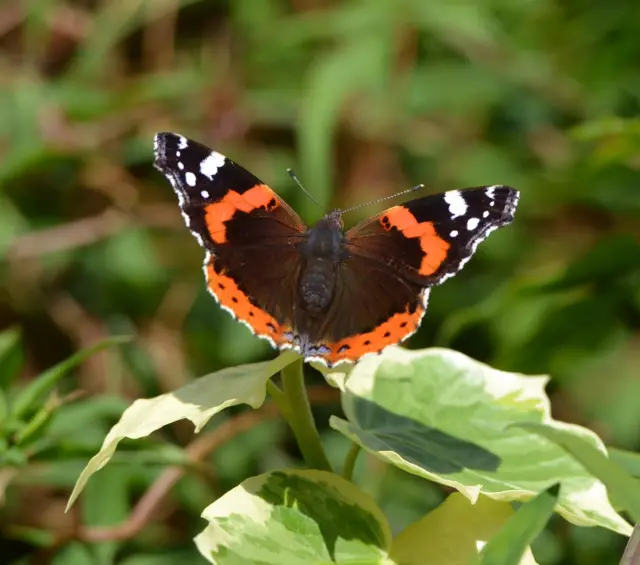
408,191
295,179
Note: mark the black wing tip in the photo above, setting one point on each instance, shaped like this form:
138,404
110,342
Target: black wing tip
506,197
162,136
511,203
161,141
159,147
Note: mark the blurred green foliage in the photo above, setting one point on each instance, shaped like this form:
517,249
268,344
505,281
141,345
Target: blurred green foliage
362,98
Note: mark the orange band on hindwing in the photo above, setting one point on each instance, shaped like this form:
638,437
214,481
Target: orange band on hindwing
391,332
230,296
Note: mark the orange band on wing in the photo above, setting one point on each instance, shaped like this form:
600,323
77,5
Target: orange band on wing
216,214
395,330
434,247
228,294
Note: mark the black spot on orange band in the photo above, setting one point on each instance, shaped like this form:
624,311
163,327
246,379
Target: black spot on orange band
395,330
229,295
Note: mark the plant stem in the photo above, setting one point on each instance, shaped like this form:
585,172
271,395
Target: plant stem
276,394
350,461
632,551
295,408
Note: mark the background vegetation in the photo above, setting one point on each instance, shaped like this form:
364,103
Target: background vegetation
362,98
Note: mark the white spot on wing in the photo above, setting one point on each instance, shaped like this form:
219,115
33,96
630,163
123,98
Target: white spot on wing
425,302
190,178
453,233
456,202
204,194
485,214
472,223
180,165
209,167
490,192
182,142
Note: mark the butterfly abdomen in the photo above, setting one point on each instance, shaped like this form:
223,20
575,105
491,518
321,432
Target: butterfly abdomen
323,251
317,284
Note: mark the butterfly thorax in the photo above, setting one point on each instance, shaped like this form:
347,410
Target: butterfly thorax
322,251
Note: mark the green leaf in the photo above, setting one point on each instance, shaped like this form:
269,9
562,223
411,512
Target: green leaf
291,517
628,460
36,426
198,401
512,541
33,394
33,536
443,416
456,22
12,221
13,457
107,503
87,415
74,553
454,533
623,488
11,356
597,129
4,413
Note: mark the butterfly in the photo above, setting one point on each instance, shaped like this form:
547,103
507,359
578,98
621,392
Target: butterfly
331,295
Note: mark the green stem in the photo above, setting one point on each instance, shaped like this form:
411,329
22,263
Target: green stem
296,410
277,395
350,461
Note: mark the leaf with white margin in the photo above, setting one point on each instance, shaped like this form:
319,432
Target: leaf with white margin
335,376
291,517
443,416
198,401
622,487
453,533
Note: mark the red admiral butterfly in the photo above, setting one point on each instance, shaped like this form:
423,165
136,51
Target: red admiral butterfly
333,296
